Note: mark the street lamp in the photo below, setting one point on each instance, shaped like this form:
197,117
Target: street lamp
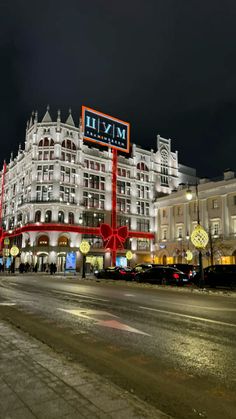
84,249
199,236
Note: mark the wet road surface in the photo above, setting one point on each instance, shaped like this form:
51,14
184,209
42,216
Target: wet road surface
174,349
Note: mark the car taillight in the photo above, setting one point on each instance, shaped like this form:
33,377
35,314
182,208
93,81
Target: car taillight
176,276
123,272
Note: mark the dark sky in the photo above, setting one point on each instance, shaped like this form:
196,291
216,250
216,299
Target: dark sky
166,66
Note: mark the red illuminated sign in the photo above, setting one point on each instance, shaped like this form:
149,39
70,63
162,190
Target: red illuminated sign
105,130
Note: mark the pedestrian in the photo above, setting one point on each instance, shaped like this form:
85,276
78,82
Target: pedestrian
51,268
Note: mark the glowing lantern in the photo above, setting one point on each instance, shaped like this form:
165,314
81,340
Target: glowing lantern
189,255
129,255
14,251
84,247
199,237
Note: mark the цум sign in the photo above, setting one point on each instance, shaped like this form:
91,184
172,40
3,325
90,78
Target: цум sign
105,130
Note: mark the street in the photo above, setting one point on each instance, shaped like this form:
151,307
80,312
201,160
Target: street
173,348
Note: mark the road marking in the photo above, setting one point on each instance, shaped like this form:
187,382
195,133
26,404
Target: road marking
7,304
88,313
79,295
188,316
129,295
114,324
94,315
193,305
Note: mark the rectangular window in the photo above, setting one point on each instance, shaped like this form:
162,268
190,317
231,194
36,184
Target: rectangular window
215,203
143,225
164,234
143,244
215,229
179,233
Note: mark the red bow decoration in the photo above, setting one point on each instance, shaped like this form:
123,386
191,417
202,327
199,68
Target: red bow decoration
114,238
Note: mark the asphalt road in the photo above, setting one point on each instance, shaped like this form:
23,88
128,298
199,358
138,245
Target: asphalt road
175,349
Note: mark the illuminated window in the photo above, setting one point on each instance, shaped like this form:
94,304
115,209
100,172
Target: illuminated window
63,241
143,244
43,241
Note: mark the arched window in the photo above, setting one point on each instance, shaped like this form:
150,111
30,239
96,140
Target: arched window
61,217
63,241
142,166
37,217
46,142
71,218
19,217
46,149
48,216
43,241
68,144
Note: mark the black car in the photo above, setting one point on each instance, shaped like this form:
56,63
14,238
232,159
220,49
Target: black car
116,272
219,276
143,267
188,269
163,275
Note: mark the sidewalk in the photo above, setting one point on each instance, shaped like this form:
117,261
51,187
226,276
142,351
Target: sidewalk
35,382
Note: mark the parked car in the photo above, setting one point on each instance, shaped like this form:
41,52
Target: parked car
164,275
116,272
219,276
143,267
190,270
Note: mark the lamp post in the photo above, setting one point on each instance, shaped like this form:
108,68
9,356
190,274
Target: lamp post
199,236
84,248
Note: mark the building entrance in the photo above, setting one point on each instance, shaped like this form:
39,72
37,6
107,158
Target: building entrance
61,262
43,262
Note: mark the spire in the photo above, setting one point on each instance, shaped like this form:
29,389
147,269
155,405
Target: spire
47,117
58,120
58,115
36,117
70,120
31,119
11,158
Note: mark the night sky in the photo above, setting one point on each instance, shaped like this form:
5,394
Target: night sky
166,66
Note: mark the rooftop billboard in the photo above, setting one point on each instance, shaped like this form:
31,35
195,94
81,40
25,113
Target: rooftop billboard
105,130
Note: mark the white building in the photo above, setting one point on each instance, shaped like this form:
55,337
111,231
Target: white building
61,181
177,217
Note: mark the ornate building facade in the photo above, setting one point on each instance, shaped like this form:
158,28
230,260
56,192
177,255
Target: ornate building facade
177,217
58,182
